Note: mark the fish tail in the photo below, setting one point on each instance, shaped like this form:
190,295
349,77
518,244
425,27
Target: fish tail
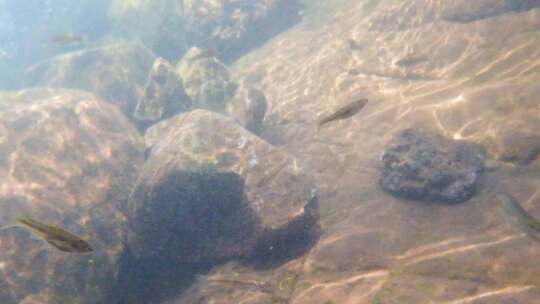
320,124
30,223
25,220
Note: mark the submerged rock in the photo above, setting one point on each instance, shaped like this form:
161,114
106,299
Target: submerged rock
234,27
462,11
68,159
163,95
423,166
159,24
206,80
518,147
117,73
513,138
248,108
211,191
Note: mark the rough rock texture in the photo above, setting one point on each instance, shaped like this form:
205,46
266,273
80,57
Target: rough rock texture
421,12
117,73
429,167
163,95
211,190
206,80
69,159
159,24
463,11
377,248
514,138
248,108
236,26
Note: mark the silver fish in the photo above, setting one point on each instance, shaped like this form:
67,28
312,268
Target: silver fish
67,39
57,237
410,61
344,112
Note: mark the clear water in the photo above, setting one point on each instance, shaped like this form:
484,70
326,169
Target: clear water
203,177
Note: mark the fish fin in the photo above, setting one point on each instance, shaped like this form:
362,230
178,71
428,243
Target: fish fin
33,234
15,222
24,221
10,226
32,225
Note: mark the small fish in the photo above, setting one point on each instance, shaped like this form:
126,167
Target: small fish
67,39
344,112
57,237
353,44
412,60
517,216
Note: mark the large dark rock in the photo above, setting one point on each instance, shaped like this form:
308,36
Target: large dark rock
163,95
116,73
424,166
69,159
233,27
212,190
193,215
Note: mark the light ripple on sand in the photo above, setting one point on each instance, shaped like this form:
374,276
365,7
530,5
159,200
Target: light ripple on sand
464,248
503,291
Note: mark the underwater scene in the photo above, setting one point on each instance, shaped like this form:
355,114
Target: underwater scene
269,152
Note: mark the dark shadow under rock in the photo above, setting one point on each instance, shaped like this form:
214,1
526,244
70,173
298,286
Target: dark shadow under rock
192,217
279,246
152,280
423,166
